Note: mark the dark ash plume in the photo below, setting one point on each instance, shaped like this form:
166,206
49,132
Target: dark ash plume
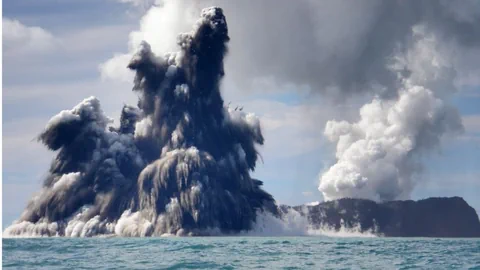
178,164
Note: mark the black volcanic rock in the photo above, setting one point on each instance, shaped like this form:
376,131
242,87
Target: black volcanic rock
432,217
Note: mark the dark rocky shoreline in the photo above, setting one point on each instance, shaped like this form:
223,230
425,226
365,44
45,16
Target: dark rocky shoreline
432,217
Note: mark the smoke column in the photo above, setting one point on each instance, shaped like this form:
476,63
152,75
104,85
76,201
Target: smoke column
347,51
179,163
379,156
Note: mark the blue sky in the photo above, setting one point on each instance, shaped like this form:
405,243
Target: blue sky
79,35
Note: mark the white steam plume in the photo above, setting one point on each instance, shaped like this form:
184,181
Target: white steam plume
378,156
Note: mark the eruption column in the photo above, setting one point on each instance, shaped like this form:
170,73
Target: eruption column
178,163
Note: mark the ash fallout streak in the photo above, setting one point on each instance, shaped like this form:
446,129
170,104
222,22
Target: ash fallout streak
179,163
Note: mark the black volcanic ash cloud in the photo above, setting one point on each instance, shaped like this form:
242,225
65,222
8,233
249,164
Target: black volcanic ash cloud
178,163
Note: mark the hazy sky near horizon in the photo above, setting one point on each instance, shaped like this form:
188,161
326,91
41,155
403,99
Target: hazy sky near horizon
52,54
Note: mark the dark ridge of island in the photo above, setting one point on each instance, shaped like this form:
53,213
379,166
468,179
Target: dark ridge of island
432,217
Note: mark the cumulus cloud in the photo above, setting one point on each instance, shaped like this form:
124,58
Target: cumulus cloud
159,27
295,129
19,38
114,68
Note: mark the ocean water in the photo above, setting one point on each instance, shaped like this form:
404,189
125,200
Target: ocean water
317,252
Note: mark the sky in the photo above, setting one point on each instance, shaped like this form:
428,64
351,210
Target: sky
55,53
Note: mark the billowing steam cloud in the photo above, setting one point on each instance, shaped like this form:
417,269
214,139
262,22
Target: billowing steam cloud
339,47
378,156
179,163
344,49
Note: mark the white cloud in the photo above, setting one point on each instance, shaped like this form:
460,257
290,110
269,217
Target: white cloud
289,130
377,156
69,93
116,69
19,38
294,129
28,49
159,27
99,38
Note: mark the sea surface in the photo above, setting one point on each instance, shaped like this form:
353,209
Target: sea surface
317,252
